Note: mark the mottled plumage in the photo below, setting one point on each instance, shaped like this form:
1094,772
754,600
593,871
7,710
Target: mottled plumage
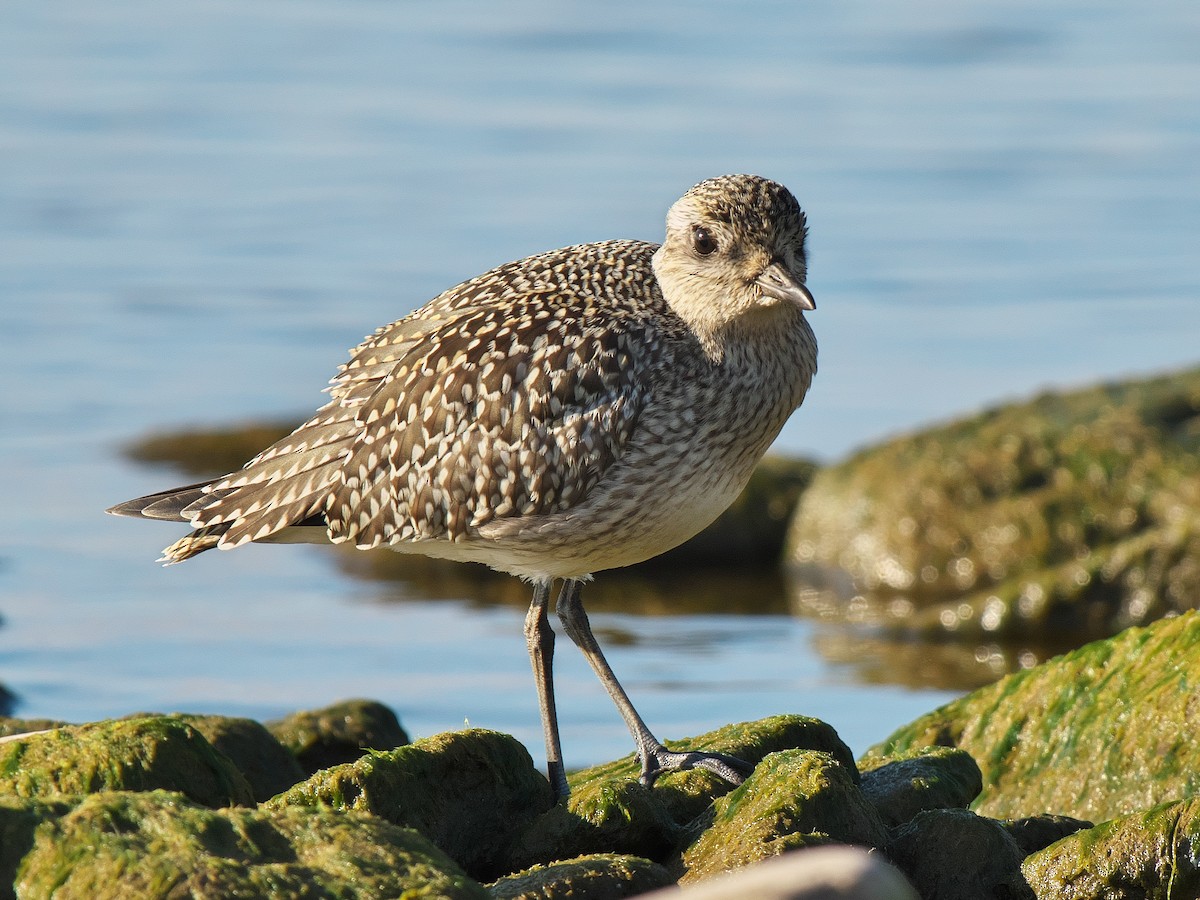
578,410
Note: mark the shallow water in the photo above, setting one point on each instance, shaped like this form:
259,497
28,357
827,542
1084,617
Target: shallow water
202,205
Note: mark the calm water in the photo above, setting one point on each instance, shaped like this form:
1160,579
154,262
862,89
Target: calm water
202,205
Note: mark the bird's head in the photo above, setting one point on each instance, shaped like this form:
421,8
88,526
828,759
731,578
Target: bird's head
734,255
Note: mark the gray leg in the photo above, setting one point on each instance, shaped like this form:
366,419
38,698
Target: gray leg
655,758
539,638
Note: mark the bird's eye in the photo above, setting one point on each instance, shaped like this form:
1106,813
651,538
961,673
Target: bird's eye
703,241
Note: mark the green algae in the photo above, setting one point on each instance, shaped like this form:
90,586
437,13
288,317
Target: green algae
267,765
469,792
1073,511
158,844
920,778
1154,854
1102,731
596,877
339,733
128,754
794,799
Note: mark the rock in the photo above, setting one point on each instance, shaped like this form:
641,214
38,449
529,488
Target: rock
1034,833
258,755
158,844
1073,513
817,873
337,734
599,877
923,778
794,799
609,811
1103,731
19,820
1155,853
953,854
469,792
127,754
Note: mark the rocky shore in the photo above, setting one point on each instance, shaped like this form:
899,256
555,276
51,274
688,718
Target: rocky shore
991,796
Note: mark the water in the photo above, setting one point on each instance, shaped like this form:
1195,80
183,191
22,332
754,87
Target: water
202,205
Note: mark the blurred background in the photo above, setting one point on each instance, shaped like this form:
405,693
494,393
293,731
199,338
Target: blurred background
204,204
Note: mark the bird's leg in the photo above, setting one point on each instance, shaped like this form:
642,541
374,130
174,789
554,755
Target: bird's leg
539,638
655,758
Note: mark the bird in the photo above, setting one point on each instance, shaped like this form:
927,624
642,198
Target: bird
574,411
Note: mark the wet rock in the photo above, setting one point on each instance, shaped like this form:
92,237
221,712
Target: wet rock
19,820
1034,833
953,854
128,754
1074,512
794,799
817,873
609,811
158,844
337,734
923,778
1100,732
597,877
1155,853
266,763
469,792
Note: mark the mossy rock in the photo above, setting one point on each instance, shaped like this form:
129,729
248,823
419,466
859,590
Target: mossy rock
159,844
469,792
126,754
794,799
922,778
19,821
1151,854
1100,732
268,766
339,733
610,811
597,877
953,853
1073,511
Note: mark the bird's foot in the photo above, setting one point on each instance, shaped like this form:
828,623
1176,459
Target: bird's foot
659,760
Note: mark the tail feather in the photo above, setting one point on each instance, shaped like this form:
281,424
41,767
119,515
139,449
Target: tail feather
197,542
168,505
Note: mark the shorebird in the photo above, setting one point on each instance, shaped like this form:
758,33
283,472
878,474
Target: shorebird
579,410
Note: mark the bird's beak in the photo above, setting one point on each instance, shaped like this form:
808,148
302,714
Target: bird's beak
777,282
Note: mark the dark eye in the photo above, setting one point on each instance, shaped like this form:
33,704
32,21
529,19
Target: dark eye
703,241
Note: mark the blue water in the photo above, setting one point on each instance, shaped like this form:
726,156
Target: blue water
203,204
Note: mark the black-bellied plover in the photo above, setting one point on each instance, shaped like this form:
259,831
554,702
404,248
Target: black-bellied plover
579,410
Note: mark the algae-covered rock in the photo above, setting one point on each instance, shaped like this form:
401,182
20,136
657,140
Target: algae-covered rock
795,798
685,794
158,844
469,792
1034,833
609,811
1151,854
953,854
922,778
597,877
128,754
1072,511
1103,731
258,755
340,733
19,819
